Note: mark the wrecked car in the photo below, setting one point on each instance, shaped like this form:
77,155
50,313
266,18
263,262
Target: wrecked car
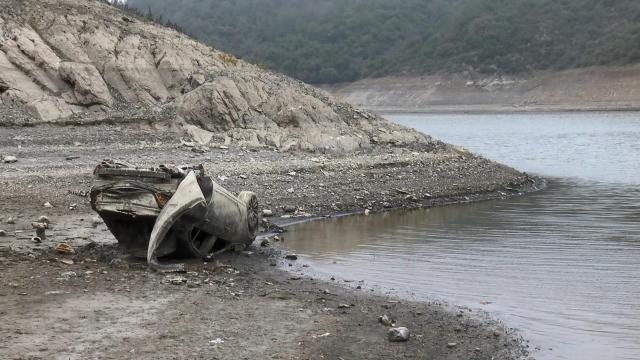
172,210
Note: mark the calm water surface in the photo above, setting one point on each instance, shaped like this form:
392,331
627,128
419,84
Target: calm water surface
562,265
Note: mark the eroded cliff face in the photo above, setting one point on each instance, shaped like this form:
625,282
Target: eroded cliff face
77,59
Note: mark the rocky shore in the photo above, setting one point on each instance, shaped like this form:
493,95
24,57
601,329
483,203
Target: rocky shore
99,303
82,81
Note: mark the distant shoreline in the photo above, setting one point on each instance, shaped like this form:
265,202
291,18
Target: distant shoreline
604,88
500,110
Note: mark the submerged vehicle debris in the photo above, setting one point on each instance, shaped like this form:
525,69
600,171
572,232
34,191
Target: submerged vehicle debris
172,210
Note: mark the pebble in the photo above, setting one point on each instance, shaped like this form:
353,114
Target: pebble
47,205
291,257
3,233
177,280
289,209
95,221
267,213
11,220
385,320
398,334
69,274
72,157
9,159
452,345
264,242
194,283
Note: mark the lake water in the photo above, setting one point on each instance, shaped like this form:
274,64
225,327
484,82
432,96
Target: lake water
562,265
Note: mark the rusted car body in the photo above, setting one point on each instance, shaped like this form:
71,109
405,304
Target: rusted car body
172,210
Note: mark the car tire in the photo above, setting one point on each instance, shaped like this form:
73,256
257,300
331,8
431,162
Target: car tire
253,218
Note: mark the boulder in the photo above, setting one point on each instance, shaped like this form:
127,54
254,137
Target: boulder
16,86
89,87
137,67
49,109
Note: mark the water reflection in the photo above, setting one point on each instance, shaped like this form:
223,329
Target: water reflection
562,264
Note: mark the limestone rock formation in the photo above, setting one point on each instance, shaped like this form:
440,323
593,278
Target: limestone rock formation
63,59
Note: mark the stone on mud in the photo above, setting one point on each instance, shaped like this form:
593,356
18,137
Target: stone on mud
9,159
398,334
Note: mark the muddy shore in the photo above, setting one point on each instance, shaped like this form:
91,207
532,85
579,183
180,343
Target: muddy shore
250,305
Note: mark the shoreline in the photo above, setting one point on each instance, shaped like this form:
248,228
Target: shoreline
596,88
507,109
253,306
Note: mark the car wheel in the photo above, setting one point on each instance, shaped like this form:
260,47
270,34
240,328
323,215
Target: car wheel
198,243
251,201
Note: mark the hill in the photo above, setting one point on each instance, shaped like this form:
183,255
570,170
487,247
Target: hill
85,61
332,41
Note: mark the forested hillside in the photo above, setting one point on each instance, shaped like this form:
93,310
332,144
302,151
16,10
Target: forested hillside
330,41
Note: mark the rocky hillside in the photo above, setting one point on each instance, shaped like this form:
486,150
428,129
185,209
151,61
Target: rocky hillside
69,61
335,41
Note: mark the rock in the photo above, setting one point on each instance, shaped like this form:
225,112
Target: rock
9,159
194,283
386,205
89,87
243,177
36,239
267,213
95,221
40,228
47,205
178,280
3,233
11,220
452,344
69,274
289,209
264,242
50,109
64,248
44,219
72,157
385,320
367,211
398,334
291,257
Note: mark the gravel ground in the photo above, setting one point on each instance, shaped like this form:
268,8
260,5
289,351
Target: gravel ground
107,305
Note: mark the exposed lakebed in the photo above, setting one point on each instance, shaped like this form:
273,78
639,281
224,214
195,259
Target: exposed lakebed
562,265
